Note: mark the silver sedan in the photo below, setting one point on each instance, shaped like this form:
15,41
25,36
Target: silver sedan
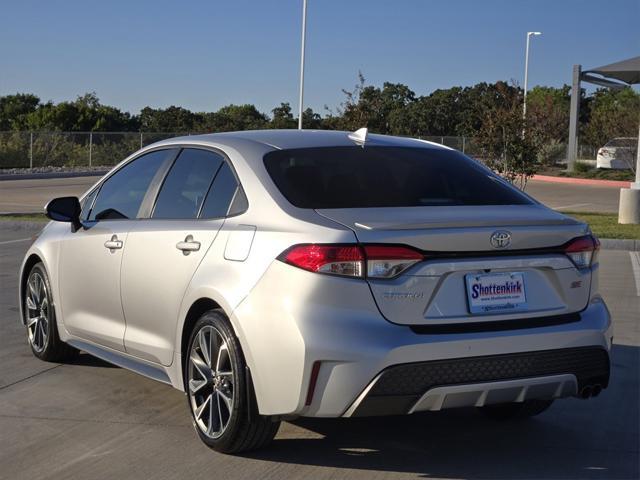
275,274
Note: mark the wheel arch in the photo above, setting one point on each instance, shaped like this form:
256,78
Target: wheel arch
197,308
28,264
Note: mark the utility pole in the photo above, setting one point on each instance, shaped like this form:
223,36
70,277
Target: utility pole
304,36
526,71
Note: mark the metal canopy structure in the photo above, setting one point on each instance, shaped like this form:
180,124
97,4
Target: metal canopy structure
627,71
615,75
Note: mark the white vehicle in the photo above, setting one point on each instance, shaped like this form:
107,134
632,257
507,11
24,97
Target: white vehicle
618,154
276,274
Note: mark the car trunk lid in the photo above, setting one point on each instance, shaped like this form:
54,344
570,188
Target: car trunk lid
456,242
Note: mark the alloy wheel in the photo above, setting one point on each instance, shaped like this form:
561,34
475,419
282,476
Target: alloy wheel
211,381
38,311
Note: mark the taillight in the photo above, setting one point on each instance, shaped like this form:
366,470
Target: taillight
389,261
376,261
583,251
344,260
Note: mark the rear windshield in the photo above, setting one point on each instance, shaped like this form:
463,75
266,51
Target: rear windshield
356,177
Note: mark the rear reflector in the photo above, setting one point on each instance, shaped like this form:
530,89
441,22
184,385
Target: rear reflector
583,251
315,370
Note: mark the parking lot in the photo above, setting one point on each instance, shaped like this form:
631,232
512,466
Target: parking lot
91,420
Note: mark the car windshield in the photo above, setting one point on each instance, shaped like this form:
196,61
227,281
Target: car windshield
623,142
357,177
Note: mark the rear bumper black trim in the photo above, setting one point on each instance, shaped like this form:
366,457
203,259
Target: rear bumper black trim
399,387
496,325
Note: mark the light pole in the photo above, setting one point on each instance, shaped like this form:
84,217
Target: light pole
304,35
526,71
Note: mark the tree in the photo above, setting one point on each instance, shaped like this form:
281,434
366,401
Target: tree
612,113
14,110
311,120
282,117
85,114
93,116
548,120
506,140
170,120
380,110
234,117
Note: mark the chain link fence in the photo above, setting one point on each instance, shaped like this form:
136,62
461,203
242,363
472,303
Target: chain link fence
104,149
71,149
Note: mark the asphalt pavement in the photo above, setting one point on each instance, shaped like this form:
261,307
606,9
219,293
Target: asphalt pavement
88,419
30,195
575,198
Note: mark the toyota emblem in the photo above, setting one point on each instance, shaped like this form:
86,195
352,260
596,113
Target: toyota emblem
500,239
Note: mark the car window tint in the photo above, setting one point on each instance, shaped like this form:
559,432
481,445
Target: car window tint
187,184
222,191
356,177
121,194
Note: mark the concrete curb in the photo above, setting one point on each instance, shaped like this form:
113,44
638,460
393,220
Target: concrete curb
620,244
16,225
47,175
583,181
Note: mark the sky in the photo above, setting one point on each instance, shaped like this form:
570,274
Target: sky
206,54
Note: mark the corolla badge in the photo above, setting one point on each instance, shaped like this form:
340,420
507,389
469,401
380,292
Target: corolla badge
500,239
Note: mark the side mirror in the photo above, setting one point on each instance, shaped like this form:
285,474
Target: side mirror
65,209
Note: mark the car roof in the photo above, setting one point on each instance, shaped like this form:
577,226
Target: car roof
289,139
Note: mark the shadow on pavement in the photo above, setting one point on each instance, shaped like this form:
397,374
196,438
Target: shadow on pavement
575,438
86,360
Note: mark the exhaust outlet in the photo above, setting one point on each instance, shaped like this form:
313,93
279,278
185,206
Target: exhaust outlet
586,392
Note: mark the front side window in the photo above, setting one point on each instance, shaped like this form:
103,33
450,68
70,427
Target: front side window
121,195
357,177
86,205
186,185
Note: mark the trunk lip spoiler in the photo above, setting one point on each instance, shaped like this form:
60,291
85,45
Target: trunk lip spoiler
443,254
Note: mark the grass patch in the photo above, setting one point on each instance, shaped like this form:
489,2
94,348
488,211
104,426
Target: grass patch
25,217
605,225
583,170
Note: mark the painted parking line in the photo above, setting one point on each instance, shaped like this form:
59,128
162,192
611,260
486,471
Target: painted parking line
7,242
635,264
574,205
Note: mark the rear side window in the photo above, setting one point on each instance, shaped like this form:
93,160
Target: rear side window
122,193
186,184
356,177
221,194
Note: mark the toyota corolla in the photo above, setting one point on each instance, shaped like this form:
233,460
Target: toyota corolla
276,274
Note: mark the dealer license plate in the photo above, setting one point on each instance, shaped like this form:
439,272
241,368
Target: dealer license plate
496,292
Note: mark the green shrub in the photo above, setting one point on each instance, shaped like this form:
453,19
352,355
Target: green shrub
581,167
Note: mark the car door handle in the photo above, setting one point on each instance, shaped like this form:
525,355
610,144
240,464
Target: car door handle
188,245
114,243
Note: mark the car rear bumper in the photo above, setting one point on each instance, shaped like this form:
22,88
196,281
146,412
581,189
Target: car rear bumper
320,348
479,381
613,163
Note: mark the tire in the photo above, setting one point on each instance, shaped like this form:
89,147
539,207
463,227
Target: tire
516,411
216,379
40,319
